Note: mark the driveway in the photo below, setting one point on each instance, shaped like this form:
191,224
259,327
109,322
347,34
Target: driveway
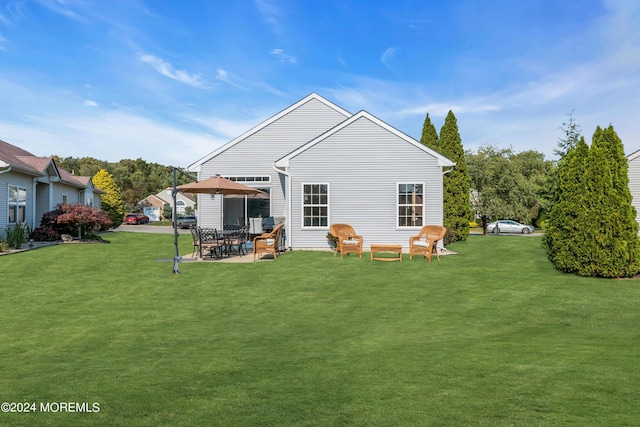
147,228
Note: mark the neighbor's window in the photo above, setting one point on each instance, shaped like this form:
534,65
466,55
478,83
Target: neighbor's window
315,205
410,205
64,199
17,204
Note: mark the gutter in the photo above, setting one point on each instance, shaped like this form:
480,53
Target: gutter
288,196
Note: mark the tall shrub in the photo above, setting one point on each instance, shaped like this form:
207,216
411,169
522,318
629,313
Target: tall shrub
457,183
611,233
112,202
564,235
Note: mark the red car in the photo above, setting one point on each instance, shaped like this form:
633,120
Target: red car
136,218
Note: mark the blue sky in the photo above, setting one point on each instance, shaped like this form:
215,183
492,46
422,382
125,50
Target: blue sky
170,81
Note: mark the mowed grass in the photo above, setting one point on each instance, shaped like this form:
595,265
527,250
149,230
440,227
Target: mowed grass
493,336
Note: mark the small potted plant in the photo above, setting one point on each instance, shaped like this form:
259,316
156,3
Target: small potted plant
332,240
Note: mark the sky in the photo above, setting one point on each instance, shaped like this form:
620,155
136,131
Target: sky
171,81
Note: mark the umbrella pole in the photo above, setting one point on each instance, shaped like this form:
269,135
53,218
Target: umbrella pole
177,257
174,193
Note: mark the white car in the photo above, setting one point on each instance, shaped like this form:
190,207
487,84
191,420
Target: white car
508,226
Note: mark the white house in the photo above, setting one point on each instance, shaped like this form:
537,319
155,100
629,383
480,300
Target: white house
31,186
633,161
153,205
321,165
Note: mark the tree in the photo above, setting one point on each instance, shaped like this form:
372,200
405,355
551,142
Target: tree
429,135
457,207
505,184
571,131
71,218
611,245
564,234
592,227
112,202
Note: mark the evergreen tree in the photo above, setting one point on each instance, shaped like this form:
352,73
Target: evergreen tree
429,135
457,206
112,202
564,235
611,248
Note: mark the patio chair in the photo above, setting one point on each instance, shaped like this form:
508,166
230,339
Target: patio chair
211,241
426,242
238,242
195,235
268,242
348,241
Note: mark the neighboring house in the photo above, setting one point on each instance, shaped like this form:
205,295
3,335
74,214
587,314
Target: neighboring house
322,165
31,186
633,161
153,205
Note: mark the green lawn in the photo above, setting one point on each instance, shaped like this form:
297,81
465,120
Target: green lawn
493,336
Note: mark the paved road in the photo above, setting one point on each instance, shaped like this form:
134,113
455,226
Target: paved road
146,228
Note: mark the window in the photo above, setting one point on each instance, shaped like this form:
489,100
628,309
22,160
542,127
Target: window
315,205
89,202
64,199
249,179
17,204
410,205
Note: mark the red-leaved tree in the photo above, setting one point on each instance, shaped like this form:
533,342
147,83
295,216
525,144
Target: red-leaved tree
80,218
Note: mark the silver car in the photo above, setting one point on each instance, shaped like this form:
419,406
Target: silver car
186,221
508,226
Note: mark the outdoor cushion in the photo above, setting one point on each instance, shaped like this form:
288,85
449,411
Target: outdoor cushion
423,244
351,242
269,242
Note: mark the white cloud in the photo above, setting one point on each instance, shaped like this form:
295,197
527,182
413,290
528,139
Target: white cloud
283,57
230,79
166,69
90,103
387,57
109,136
270,13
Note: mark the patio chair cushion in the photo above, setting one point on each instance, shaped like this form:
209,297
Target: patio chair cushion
351,242
423,244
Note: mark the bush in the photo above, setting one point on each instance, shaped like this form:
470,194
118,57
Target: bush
16,236
75,219
44,234
449,237
473,224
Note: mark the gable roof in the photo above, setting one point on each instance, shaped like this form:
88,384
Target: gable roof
313,96
24,161
633,155
442,161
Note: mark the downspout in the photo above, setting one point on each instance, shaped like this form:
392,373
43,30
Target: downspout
288,196
34,203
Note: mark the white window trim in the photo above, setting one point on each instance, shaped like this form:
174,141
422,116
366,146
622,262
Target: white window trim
424,205
302,206
17,203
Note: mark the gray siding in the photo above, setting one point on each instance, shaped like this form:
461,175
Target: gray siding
363,164
255,155
634,185
20,180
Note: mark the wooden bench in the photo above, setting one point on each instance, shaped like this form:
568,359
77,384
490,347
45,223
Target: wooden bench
380,248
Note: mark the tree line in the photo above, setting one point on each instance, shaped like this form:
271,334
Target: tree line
136,179
582,201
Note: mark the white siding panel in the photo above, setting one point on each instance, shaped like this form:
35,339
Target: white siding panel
255,155
363,164
634,185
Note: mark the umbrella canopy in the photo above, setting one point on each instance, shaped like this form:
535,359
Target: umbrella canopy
219,185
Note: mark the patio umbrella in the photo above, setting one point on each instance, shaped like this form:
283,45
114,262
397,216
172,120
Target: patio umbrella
213,185
219,185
